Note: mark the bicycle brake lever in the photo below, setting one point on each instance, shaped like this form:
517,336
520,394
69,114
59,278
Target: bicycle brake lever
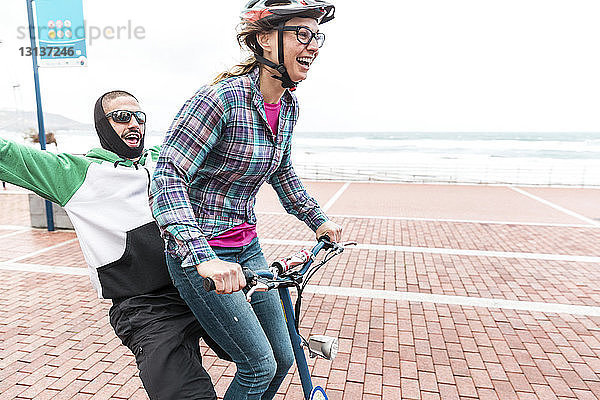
259,287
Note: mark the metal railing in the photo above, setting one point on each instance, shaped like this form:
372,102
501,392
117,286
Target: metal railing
459,173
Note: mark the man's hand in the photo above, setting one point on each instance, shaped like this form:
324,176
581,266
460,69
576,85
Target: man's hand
228,276
331,229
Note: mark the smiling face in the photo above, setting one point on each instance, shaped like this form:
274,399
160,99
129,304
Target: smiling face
130,132
298,57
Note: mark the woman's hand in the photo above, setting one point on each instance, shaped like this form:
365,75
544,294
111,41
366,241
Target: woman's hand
331,229
228,276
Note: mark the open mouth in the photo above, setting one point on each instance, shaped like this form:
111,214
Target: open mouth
305,61
132,139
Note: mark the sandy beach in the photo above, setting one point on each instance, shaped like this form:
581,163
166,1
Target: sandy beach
454,292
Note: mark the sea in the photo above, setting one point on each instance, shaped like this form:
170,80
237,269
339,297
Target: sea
571,159
452,157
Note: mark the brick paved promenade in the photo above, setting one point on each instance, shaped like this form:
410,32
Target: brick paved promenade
454,292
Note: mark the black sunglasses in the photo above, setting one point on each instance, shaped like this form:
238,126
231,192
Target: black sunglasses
124,116
305,35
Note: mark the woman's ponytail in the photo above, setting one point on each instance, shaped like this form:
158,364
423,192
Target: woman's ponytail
248,40
237,70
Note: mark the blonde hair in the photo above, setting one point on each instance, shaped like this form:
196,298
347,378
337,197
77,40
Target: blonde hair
247,38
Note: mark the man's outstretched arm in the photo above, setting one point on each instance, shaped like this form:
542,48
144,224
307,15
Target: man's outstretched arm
55,177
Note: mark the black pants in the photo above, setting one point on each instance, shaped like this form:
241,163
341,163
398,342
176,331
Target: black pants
163,334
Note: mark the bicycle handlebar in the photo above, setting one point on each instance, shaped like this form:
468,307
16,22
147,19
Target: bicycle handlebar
209,283
324,242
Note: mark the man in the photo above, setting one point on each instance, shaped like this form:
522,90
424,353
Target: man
105,195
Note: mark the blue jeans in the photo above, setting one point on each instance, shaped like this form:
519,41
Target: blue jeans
253,334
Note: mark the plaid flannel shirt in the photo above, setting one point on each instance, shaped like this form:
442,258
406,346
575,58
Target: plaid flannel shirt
217,153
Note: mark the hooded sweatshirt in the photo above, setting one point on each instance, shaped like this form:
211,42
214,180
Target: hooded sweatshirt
106,198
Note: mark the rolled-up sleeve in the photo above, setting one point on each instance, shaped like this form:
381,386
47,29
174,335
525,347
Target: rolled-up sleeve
194,132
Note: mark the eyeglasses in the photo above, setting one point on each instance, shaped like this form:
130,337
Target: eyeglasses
124,116
305,35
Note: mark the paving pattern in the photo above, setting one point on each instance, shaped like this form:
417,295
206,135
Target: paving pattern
452,251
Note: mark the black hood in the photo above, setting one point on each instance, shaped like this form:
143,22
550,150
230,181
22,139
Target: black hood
109,139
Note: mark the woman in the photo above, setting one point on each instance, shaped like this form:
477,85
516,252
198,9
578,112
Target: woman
224,143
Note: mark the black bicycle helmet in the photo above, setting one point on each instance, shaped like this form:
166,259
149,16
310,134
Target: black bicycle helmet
277,13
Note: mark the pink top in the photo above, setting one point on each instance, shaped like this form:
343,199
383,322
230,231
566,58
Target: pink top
237,236
243,234
272,111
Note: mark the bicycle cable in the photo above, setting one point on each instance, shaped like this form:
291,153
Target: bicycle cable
300,289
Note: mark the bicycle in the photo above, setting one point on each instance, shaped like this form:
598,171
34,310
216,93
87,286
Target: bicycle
296,271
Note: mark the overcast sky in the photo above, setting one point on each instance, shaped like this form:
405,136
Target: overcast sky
391,65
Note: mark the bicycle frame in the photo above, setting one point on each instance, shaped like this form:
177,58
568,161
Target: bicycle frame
288,309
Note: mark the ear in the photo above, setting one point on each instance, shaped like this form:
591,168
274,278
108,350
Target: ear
266,40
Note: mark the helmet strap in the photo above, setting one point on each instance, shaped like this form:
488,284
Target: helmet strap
286,81
280,42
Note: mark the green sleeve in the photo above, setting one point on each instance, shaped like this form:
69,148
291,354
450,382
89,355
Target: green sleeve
154,152
55,177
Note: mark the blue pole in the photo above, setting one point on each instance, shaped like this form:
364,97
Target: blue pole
38,100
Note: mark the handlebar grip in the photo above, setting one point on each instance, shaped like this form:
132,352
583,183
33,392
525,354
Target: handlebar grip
209,283
327,242
324,238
